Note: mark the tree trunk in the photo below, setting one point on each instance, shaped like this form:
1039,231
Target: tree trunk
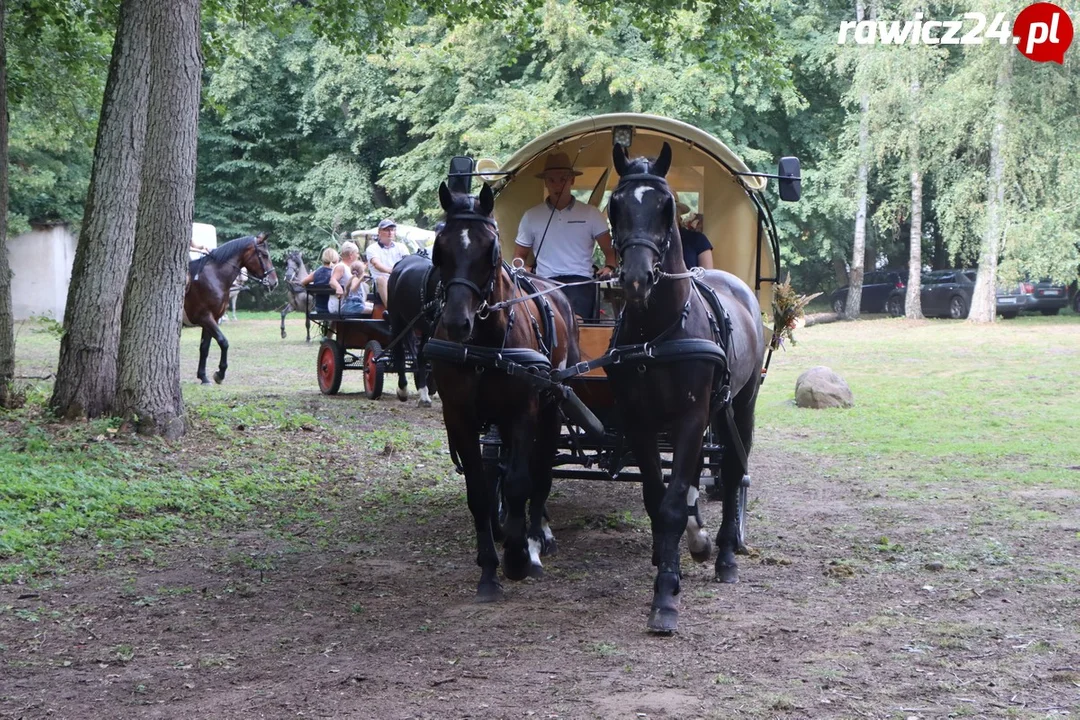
86,377
148,383
913,300
7,314
983,299
858,252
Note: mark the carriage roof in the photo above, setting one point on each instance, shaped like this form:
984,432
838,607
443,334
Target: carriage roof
704,172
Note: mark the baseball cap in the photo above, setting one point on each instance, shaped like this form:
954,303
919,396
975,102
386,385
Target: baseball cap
387,223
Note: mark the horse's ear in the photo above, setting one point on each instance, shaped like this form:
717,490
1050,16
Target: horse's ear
663,161
446,198
487,200
618,157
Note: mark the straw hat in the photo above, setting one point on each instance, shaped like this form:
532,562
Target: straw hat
557,161
681,208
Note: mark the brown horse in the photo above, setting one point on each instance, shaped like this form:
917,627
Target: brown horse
697,348
206,296
481,351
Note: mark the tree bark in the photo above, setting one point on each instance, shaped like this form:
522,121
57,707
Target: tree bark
913,300
148,384
86,377
858,252
7,314
984,296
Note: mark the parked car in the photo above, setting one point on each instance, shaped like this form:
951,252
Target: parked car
879,286
1044,296
947,293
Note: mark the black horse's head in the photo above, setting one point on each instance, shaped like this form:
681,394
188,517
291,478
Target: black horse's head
642,213
467,254
256,260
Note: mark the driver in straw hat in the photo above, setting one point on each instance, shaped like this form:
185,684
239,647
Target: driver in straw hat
561,233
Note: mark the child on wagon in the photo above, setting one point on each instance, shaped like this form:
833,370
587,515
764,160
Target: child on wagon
321,277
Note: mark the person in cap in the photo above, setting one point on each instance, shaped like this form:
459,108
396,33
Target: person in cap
562,232
696,248
383,255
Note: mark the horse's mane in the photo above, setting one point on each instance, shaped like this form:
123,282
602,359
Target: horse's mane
222,254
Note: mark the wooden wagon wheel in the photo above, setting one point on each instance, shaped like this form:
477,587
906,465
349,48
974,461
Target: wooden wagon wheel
331,363
373,372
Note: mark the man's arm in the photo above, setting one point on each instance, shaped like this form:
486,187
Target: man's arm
609,255
375,262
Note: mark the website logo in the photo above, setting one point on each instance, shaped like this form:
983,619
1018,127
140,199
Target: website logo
1042,32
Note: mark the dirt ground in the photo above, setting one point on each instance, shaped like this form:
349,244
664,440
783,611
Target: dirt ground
859,601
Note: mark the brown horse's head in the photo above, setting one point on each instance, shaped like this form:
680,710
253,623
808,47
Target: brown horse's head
467,254
643,231
256,260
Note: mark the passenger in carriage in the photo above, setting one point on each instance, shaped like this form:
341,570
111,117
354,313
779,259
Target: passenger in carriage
383,255
356,294
697,250
321,277
561,232
342,274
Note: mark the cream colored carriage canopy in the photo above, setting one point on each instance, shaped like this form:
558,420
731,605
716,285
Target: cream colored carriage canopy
701,172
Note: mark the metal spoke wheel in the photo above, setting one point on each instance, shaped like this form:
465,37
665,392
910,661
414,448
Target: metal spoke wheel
330,363
373,372
744,492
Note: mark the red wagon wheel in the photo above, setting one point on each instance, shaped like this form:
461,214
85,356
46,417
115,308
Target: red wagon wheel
331,362
373,372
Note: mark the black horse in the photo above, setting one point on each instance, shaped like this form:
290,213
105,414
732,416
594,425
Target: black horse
700,346
206,294
489,328
410,294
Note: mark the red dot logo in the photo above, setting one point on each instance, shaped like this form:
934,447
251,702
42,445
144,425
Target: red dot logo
1043,32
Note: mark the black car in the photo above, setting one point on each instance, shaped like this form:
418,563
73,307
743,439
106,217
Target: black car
1045,297
877,289
947,293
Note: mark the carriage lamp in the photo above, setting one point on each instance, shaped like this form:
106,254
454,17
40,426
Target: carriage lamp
622,135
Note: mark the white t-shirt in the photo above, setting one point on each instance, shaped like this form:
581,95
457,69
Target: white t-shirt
388,256
568,247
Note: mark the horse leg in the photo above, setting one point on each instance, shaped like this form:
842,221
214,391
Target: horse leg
204,351
223,363
732,471
399,362
462,437
670,521
284,311
540,538
232,304
517,489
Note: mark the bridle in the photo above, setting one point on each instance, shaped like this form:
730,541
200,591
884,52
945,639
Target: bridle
264,278
496,263
622,244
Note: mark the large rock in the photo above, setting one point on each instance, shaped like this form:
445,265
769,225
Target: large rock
820,387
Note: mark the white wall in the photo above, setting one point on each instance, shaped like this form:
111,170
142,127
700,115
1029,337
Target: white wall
41,262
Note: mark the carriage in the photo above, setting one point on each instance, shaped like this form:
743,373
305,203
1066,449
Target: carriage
725,197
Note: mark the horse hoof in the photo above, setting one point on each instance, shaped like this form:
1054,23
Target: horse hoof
516,565
663,621
218,378
703,555
489,592
282,334
424,403
536,572
206,382
402,394
727,573
550,547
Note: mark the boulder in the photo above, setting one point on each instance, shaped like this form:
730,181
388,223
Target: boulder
820,387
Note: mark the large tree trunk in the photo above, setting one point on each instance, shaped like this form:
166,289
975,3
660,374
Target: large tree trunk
913,300
858,252
148,386
86,377
984,297
7,315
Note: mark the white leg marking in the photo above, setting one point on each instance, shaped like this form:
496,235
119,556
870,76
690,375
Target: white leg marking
403,393
465,239
548,535
691,496
534,552
424,397
640,191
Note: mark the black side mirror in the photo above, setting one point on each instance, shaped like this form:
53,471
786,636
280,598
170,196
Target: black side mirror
460,177
790,179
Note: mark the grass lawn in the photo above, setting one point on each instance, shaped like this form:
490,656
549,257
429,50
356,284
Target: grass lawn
941,407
